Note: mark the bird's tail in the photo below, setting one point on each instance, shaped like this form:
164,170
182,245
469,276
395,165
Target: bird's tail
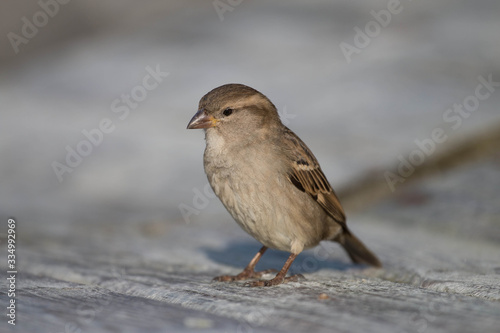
356,250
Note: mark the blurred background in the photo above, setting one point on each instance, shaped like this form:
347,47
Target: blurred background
398,100
358,81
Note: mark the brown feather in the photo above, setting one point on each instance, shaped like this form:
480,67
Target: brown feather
307,176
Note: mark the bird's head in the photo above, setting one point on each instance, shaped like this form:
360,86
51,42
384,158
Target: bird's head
234,108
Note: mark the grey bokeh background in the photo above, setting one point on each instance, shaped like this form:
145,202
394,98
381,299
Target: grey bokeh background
110,238
357,117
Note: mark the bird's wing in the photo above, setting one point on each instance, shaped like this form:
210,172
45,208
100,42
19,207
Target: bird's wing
307,176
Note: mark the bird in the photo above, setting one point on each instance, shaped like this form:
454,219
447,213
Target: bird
269,181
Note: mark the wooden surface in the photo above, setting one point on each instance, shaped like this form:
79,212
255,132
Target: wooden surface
436,276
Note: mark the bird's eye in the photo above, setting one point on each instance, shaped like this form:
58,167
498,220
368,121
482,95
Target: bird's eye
227,112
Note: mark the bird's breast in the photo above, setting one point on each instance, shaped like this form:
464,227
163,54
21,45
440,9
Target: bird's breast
261,199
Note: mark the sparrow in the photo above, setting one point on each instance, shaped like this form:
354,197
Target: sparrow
269,181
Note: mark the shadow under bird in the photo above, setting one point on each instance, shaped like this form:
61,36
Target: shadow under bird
269,180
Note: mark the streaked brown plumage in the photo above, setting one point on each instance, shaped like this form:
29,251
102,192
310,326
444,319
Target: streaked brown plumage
269,180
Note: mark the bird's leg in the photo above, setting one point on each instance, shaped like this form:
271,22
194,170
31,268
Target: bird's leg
249,271
280,277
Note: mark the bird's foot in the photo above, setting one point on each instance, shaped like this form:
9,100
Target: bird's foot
276,281
245,275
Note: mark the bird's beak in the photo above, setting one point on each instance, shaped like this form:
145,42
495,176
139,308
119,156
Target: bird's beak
202,120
